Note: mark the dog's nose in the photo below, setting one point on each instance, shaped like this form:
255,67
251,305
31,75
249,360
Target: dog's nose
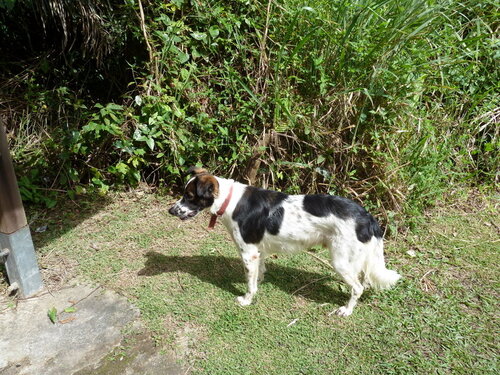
172,210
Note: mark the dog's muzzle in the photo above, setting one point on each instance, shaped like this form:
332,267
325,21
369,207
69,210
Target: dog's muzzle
182,212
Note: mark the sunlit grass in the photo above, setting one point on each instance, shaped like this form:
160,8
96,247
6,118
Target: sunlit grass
441,318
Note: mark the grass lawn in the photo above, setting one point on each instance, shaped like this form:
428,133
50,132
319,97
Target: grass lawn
442,318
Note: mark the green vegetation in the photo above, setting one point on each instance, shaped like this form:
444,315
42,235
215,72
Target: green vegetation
394,103
389,102
440,319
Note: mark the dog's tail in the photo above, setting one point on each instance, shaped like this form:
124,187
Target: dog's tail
376,274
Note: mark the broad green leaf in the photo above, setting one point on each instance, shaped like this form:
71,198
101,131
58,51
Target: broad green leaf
122,168
52,314
151,143
184,74
214,31
137,134
182,57
114,107
199,36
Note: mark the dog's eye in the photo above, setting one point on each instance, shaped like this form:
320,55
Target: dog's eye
189,195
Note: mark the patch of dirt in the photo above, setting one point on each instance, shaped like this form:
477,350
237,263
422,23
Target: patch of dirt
56,270
186,337
473,202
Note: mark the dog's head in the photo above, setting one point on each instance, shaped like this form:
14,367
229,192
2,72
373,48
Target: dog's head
199,193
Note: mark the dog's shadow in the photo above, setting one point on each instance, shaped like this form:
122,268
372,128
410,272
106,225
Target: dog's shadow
225,272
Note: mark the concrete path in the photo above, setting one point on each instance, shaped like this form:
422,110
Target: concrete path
82,340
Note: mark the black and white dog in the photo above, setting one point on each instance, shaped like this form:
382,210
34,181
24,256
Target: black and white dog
262,222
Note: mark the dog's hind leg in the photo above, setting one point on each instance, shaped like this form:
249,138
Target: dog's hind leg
262,268
349,268
251,258
356,292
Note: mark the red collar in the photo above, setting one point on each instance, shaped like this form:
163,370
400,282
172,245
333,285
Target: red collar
222,209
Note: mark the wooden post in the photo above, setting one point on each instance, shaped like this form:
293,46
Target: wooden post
16,245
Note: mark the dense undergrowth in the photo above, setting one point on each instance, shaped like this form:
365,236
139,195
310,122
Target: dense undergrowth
388,102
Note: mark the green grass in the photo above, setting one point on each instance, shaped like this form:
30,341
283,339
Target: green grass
440,319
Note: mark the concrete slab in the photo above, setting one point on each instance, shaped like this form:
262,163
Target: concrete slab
135,355
79,340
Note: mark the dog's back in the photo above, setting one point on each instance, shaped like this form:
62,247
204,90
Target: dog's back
277,222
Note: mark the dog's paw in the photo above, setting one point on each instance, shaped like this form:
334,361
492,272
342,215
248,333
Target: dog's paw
244,300
343,311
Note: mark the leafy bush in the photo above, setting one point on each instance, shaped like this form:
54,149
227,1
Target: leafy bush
385,101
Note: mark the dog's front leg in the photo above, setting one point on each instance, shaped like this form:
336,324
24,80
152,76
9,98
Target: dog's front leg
250,256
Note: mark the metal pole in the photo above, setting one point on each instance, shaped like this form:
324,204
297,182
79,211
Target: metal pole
16,245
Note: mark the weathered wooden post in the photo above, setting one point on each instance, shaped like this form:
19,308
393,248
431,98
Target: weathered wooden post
16,245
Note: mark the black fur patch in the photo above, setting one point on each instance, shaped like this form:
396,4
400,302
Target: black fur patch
322,205
198,194
259,211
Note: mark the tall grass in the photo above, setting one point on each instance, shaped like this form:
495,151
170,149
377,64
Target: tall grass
363,87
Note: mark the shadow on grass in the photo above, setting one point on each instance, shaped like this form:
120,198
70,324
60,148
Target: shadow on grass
224,272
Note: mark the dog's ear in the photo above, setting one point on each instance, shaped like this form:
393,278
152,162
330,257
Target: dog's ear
196,171
207,186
